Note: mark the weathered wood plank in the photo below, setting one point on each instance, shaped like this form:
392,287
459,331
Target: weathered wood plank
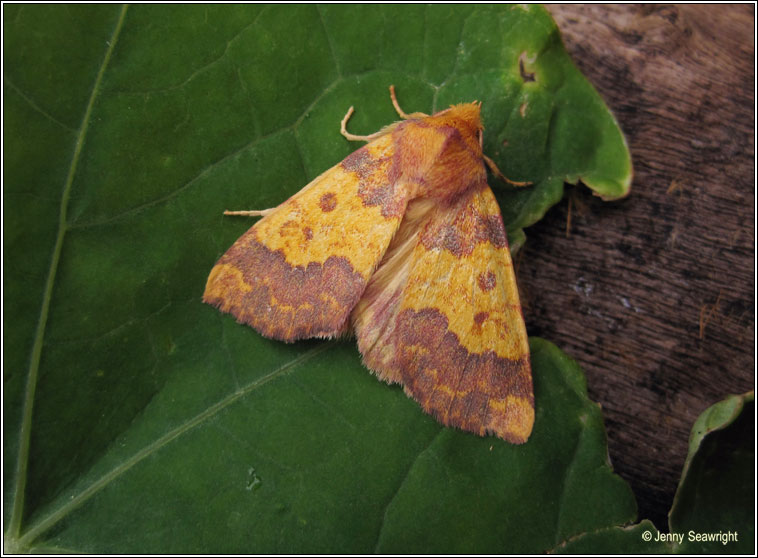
654,294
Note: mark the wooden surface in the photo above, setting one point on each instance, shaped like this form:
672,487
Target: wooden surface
653,295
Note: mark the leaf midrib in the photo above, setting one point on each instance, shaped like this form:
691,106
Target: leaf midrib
17,512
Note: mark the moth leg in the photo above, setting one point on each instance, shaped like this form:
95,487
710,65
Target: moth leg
496,171
400,111
251,213
353,137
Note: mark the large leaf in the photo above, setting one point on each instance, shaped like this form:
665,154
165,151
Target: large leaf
138,419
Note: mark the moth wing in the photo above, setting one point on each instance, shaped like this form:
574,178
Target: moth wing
299,271
442,317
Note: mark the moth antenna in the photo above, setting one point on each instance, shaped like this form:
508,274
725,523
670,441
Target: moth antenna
496,171
251,213
395,104
400,111
353,137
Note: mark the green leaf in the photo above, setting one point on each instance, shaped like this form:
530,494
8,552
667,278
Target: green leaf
714,506
316,455
716,496
716,417
138,419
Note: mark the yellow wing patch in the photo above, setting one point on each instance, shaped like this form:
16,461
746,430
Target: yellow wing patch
300,270
329,218
450,328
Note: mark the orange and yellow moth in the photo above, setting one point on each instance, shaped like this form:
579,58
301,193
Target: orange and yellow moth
402,244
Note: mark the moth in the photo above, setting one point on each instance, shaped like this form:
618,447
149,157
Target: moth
402,244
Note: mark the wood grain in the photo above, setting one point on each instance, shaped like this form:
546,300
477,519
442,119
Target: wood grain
654,295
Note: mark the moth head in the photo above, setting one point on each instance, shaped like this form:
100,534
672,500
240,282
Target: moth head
466,117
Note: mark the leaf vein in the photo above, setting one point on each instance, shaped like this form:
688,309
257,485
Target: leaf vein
566,480
33,104
36,353
400,487
195,73
179,190
96,486
329,40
